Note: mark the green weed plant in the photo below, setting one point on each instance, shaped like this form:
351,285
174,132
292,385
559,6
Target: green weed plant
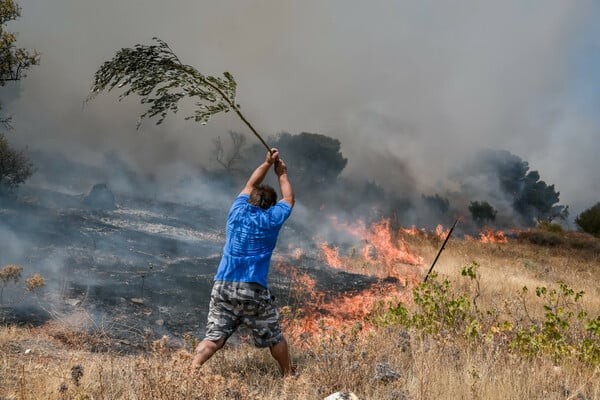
564,330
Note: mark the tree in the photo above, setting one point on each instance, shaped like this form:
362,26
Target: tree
14,61
315,162
531,197
316,159
537,199
15,168
589,220
482,212
437,204
231,158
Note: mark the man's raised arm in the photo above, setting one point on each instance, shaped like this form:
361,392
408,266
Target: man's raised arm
260,172
284,183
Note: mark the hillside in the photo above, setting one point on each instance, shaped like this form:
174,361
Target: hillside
499,346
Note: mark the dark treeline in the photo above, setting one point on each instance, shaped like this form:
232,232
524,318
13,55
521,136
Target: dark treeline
514,193
512,196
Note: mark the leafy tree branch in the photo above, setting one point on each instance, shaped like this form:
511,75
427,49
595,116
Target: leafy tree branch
156,74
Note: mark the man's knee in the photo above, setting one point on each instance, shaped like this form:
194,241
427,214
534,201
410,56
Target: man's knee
210,346
217,344
205,350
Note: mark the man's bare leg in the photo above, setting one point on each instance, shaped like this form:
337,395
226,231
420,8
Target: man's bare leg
281,354
204,351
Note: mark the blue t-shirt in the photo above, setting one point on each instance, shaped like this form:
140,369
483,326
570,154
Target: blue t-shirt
251,237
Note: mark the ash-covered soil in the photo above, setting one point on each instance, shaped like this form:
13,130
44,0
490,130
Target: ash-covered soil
139,271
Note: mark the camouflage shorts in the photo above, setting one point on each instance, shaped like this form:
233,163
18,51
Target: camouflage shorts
239,303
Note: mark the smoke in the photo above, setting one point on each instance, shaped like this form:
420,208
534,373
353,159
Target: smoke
410,89
11,246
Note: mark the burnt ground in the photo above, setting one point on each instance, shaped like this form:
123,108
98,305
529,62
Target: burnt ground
137,272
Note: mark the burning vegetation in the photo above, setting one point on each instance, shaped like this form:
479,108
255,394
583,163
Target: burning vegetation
380,269
365,324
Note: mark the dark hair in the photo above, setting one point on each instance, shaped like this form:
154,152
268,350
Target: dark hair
263,196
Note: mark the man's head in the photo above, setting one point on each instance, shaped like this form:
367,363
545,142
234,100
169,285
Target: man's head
263,196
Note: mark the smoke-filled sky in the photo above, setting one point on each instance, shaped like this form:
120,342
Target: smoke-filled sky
412,86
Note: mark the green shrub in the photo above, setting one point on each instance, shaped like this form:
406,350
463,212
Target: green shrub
9,273
12,273
550,227
482,212
542,238
556,334
589,220
440,308
15,167
564,332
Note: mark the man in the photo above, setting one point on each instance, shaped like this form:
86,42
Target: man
240,294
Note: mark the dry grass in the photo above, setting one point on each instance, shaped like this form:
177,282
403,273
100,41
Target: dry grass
55,361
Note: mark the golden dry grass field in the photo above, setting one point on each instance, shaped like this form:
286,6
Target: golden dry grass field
381,358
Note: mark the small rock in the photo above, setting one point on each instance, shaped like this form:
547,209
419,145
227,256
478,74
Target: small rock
100,197
404,341
385,373
159,322
399,394
137,300
342,396
27,351
72,302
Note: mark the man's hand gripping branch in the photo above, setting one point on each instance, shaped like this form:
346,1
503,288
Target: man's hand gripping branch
256,178
260,172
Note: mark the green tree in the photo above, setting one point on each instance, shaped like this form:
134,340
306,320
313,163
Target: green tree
15,167
315,162
14,61
437,204
589,220
532,198
316,159
482,212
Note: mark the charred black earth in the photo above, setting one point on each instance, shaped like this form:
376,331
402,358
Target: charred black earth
137,270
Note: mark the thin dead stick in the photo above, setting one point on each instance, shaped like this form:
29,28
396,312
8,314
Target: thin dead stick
440,251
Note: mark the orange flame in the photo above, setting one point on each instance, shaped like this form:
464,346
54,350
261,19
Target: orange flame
440,232
488,236
316,312
380,245
382,252
388,250
297,253
331,256
358,229
413,231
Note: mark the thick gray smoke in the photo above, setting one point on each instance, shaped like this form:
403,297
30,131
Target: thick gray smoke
409,88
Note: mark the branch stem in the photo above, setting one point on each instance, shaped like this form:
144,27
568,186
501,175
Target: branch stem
238,112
